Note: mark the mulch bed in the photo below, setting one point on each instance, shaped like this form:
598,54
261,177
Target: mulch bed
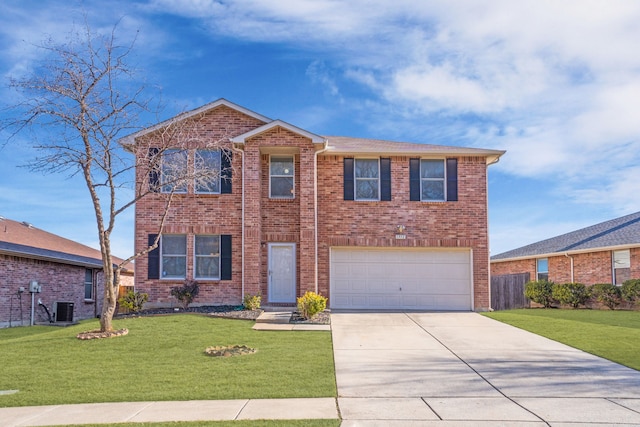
228,312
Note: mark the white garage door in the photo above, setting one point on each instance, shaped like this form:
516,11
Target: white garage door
401,279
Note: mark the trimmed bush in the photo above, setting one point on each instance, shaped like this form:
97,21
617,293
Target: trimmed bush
573,294
631,291
251,302
186,293
133,301
607,294
540,291
311,304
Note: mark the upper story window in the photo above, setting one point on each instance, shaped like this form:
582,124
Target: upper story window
173,248
207,257
88,284
433,180
281,177
542,269
174,171
367,179
621,266
207,171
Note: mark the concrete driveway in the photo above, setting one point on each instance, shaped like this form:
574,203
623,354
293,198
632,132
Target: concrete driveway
465,369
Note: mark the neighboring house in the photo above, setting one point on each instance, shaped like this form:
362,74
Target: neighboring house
367,223
608,252
68,274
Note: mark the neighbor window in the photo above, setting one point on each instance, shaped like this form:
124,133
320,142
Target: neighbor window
207,171
367,179
207,257
281,174
174,256
432,180
174,171
542,267
621,266
88,284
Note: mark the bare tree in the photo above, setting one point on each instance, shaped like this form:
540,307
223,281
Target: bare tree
80,102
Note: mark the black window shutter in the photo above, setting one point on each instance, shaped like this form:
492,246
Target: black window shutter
226,156
348,179
414,180
452,180
154,170
153,259
385,179
225,257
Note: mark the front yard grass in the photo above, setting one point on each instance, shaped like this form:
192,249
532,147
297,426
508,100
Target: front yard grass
162,358
614,335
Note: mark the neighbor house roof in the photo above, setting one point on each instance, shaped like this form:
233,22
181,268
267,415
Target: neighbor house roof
616,233
24,240
345,145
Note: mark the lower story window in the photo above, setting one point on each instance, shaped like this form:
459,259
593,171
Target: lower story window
207,257
542,267
88,284
621,266
174,256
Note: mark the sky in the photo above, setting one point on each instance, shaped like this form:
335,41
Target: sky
554,83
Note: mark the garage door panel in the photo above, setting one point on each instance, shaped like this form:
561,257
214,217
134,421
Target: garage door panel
427,279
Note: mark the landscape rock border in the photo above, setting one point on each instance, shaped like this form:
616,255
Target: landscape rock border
97,334
229,350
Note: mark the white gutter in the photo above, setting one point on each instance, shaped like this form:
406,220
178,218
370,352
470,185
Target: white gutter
315,206
576,252
234,148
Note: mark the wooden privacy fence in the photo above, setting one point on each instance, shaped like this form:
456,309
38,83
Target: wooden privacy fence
507,291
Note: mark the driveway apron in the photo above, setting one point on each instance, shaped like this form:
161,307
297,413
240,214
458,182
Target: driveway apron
466,369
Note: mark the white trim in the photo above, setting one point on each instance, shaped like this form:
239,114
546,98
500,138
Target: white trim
293,162
576,252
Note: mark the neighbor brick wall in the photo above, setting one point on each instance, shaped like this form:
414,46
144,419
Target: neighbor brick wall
460,224
60,282
588,268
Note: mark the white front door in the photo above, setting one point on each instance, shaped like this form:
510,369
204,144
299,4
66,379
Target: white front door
282,272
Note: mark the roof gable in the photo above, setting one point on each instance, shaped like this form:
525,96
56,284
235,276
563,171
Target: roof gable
619,232
130,139
241,139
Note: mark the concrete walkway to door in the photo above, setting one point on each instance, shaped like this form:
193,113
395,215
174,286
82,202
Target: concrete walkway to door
463,369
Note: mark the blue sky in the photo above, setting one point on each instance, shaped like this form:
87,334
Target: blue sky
556,84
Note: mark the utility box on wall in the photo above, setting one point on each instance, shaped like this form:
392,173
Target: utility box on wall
63,311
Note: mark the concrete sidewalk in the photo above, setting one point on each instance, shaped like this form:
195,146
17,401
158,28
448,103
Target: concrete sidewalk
463,369
201,410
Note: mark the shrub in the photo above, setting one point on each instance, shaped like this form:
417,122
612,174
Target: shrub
133,301
607,294
311,304
540,291
251,302
631,291
186,293
573,294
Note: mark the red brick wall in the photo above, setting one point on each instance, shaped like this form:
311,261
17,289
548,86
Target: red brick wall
60,282
461,224
193,214
588,268
445,224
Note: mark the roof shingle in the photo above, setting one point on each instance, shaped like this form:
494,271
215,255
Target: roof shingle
623,231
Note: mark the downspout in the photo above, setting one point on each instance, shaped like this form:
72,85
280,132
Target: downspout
571,261
315,206
486,185
234,148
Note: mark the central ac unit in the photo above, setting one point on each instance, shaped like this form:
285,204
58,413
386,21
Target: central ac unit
63,311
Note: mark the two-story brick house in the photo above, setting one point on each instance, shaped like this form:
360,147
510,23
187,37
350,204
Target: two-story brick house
367,223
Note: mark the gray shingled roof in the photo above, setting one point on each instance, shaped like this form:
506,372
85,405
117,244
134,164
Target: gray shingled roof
623,231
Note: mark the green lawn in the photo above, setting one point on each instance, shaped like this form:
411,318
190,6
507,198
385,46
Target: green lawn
162,358
614,335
